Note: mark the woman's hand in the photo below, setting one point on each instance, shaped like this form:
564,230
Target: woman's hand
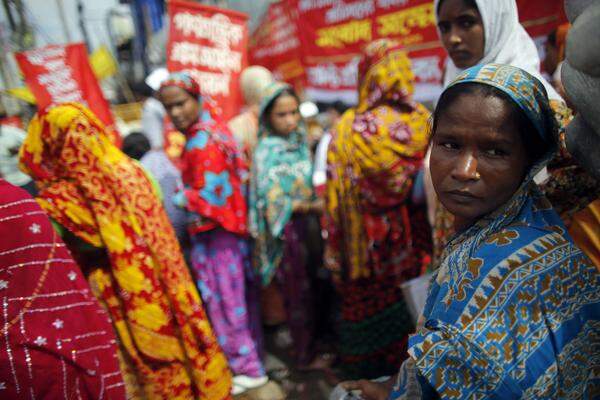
303,207
369,390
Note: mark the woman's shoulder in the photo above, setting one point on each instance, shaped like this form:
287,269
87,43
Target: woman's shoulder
501,267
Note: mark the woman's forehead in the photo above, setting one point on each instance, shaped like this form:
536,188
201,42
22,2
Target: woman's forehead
475,111
173,94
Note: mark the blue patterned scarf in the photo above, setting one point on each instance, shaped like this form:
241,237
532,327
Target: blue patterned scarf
514,309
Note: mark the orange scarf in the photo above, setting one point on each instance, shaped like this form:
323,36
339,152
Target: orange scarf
90,187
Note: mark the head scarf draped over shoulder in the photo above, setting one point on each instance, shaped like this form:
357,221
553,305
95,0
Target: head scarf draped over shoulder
104,198
212,170
282,176
506,41
516,260
183,80
376,150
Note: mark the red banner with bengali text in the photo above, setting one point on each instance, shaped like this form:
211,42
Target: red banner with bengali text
332,34
211,43
59,74
275,44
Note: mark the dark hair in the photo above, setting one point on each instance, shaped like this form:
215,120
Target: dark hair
266,115
135,145
535,146
339,106
142,89
552,37
468,3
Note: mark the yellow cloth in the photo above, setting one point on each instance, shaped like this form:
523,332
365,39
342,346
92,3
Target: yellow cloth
105,199
585,230
376,150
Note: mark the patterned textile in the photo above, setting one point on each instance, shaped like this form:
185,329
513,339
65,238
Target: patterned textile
584,230
376,151
377,237
514,309
184,81
221,264
212,171
56,342
293,278
104,199
281,176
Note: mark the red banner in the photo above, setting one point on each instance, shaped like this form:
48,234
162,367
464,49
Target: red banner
276,46
59,74
332,34
211,44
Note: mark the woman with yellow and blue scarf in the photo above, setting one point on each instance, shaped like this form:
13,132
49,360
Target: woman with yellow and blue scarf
514,308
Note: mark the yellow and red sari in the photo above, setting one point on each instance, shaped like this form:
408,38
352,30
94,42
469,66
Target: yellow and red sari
105,199
378,237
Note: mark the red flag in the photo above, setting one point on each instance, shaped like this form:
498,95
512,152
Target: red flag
62,73
211,44
276,46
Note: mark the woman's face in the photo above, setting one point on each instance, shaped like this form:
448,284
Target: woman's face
285,116
182,107
478,159
462,34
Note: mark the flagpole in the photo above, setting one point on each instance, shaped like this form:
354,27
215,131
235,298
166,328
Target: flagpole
63,20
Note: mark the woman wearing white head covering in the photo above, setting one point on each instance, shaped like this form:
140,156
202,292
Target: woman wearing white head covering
477,32
244,126
505,40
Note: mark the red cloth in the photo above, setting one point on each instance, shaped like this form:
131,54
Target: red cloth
212,173
56,341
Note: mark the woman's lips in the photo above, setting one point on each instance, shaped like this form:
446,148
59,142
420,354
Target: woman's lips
460,55
461,196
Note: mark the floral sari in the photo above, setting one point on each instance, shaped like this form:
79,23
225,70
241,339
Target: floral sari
378,237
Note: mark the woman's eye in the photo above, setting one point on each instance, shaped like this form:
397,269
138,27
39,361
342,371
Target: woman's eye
495,152
449,145
444,27
466,24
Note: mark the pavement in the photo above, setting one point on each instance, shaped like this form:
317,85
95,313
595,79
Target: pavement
286,381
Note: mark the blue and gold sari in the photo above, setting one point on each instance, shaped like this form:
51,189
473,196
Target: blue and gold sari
514,308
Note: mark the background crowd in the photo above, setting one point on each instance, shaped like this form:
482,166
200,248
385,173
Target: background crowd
159,269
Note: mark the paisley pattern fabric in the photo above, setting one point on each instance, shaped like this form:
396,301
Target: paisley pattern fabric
103,198
281,175
514,309
377,237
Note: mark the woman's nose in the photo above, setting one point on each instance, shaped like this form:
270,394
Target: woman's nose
466,168
455,38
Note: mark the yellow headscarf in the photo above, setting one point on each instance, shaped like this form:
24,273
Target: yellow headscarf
376,150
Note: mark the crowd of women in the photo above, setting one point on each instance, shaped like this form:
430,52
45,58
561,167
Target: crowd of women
155,279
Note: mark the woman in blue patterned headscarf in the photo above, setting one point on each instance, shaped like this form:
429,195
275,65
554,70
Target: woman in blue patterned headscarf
514,308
